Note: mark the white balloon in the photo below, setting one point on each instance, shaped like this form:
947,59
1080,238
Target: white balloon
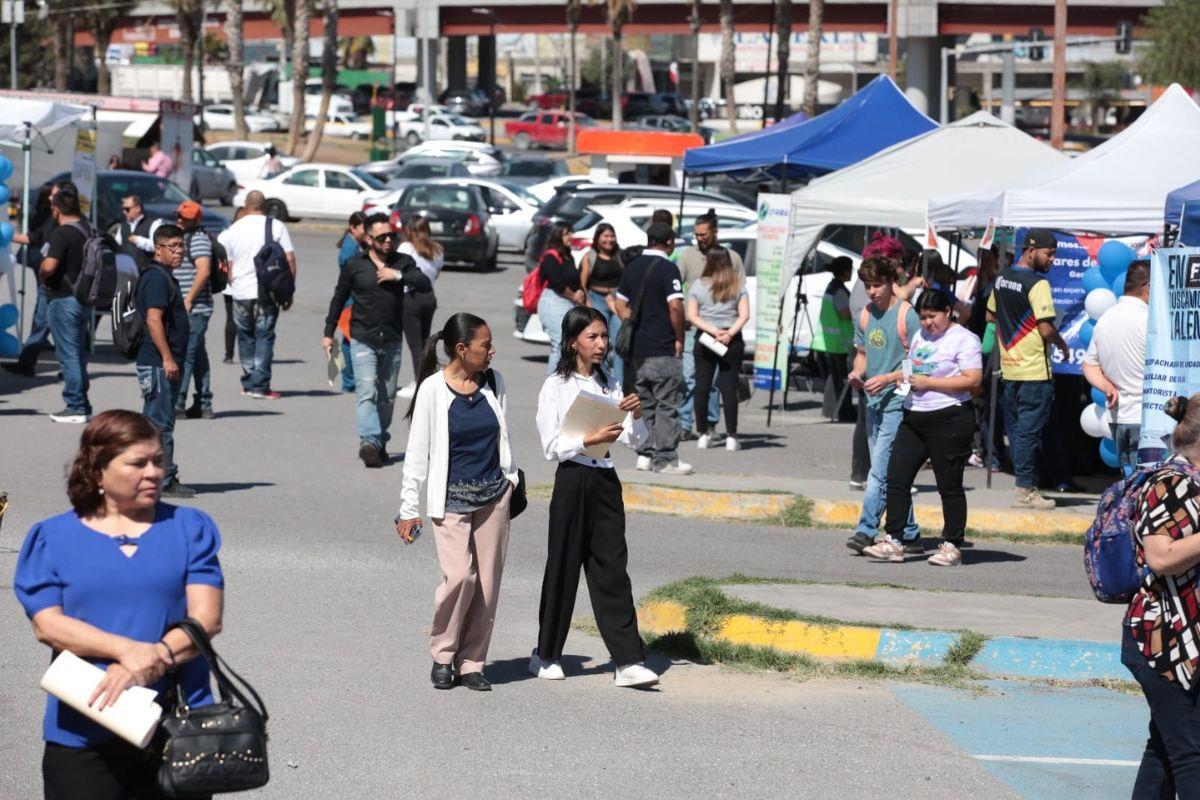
1098,301
1094,421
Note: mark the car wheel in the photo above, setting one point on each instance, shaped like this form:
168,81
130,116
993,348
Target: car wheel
413,139
523,141
230,194
277,209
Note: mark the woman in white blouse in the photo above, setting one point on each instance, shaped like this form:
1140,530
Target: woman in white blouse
587,512
458,448
419,307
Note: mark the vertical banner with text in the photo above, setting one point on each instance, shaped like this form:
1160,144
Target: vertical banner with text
83,168
770,262
1172,339
176,138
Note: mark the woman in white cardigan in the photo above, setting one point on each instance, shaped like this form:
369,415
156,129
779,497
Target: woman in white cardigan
458,447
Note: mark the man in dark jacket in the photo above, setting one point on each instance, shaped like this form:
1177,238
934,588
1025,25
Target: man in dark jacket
376,282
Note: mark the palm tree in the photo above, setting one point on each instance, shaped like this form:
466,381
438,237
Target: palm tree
299,18
573,12
783,52
235,66
695,22
728,64
191,32
618,13
102,20
329,68
64,35
812,66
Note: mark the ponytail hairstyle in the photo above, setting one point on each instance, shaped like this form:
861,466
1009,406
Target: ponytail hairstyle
107,436
574,323
420,237
722,278
460,328
1186,436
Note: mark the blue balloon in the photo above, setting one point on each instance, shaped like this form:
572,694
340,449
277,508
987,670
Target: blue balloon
1118,285
6,233
1085,332
1114,258
4,193
6,168
10,346
1108,452
1093,279
9,314
1098,398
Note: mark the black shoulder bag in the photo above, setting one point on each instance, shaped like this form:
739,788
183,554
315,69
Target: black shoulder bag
624,343
217,748
520,498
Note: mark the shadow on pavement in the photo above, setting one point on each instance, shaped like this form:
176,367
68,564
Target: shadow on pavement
974,555
239,412
309,393
221,488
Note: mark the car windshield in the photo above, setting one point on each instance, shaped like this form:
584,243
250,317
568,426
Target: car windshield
368,178
427,170
449,198
523,193
151,189
533,168
457,120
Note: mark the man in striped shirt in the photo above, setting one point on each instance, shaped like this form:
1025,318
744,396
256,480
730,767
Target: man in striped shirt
193,275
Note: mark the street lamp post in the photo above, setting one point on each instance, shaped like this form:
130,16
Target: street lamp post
491,15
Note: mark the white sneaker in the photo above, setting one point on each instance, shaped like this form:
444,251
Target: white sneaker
635,675
732,444
676,467
547,670
70,417
408,391
645,463
704,442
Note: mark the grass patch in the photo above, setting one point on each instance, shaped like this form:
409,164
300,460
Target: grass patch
964,650
798,514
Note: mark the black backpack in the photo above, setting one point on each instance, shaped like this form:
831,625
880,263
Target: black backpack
128,321
96,282
218,268
275,281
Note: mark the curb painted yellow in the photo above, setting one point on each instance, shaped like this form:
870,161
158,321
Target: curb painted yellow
655,499
984,520
662,617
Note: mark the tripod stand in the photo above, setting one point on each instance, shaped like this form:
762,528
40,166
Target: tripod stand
800,304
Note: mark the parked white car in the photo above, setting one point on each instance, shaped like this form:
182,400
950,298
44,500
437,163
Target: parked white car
442,127
219,117
479,158
330,191
246,159
546,189
341,125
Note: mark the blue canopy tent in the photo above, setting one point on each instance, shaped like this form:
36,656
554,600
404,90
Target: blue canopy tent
1183,209
878,116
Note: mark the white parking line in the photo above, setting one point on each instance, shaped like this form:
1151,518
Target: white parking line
1083,762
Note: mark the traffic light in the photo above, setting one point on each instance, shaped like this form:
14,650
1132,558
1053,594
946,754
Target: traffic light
1125,42
1036,53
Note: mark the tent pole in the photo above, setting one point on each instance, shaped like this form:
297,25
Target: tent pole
682,190
26,149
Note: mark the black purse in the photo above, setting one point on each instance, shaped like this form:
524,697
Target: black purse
217,748
624,343
519,500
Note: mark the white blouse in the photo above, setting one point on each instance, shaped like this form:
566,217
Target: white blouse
431,268
556,398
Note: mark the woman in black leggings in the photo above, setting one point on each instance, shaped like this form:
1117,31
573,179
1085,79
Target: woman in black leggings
718,307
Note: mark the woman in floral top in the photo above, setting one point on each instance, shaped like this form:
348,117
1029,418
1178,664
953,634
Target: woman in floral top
1160,645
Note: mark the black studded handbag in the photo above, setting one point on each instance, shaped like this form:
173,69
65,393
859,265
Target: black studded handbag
217,748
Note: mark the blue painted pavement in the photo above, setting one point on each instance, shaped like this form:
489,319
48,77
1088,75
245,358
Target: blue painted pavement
1046,742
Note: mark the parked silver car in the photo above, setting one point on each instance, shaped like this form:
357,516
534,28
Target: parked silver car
211,179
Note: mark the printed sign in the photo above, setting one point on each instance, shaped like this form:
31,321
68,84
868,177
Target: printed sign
1172,339
83,168
770,258
176,138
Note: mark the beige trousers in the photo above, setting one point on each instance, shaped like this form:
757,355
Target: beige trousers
470,550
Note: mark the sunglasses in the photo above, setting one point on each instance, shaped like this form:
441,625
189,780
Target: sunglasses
127,209
175,246
382,238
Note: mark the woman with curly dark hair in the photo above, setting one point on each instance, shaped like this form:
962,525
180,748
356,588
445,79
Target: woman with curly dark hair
104,581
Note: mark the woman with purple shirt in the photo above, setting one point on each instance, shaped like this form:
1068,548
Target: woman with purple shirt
946,370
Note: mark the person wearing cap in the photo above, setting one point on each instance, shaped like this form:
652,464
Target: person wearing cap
652,281
193,274
1022,307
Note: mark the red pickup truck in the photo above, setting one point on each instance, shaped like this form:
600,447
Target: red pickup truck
544,129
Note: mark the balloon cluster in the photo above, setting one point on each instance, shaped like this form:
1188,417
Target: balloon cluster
10,345
1104,283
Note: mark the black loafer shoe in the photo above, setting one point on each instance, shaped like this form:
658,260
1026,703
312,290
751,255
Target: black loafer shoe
442,676
370,455
475,682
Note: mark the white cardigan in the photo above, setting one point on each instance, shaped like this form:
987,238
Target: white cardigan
427,456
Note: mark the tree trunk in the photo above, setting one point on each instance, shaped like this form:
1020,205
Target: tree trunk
728,64
187,35
62,51
783,53
812,66
235,66
329,65
299,75
571,127
695,21
618,79
103,35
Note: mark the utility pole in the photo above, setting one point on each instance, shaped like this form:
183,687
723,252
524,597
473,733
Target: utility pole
893,38
1058,106
13,13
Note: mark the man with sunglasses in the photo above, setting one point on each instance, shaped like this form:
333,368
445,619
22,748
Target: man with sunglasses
377,282
135,234
159,299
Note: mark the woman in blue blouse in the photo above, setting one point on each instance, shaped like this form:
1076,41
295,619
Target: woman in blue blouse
104,581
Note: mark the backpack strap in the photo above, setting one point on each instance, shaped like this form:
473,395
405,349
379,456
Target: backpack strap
489,377
269,237
902,323
864,318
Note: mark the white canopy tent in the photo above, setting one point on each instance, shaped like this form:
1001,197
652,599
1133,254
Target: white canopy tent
1117,188
893,187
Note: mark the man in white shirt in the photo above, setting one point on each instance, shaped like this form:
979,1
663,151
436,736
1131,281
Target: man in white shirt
1115,363
254,313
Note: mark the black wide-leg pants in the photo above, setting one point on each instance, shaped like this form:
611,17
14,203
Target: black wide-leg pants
587,529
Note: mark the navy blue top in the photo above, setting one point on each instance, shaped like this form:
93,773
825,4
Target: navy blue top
475,478
157,290
65,563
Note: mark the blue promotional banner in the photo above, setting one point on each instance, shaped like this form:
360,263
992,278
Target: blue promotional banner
1172,339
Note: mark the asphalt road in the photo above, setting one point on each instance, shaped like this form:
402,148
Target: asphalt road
328,614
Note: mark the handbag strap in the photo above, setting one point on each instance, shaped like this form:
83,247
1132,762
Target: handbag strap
635,318
218,667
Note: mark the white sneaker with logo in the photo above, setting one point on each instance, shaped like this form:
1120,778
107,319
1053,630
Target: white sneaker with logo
635,676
